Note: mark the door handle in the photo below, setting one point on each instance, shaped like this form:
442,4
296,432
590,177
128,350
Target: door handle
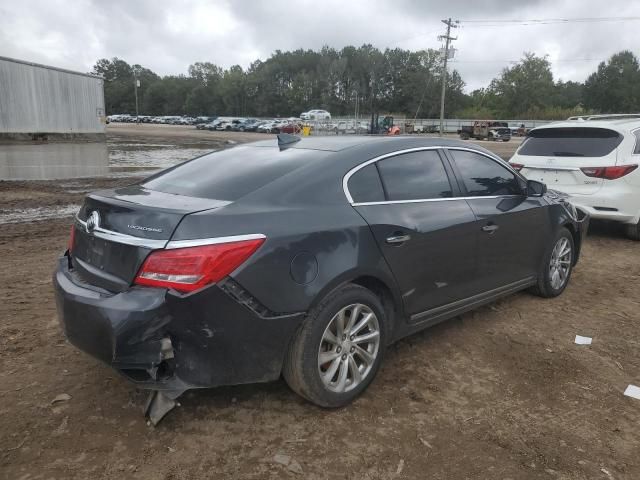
398,239
490,229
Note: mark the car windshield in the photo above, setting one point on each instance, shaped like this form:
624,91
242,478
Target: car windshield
231,174
570,142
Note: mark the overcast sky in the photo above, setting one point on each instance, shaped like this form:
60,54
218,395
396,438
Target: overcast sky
167,36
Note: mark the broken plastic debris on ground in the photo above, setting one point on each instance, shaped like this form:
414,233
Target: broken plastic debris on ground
633,392
580,340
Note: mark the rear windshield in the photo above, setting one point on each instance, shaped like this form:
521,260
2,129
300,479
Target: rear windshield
231,174
570,142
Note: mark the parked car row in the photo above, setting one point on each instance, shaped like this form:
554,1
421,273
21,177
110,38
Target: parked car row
277,125
318,119
292,125
227,123
165,119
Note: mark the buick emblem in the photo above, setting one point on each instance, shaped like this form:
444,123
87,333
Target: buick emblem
93,222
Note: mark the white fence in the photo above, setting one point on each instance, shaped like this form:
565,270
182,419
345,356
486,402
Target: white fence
426,125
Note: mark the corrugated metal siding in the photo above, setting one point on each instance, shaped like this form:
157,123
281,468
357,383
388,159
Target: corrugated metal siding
38,99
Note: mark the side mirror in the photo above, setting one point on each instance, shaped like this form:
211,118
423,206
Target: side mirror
536,189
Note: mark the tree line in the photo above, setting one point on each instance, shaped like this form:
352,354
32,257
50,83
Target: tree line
401,82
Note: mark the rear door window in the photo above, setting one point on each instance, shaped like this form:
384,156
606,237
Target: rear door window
233,173
415,176
570,142
485,177
365,185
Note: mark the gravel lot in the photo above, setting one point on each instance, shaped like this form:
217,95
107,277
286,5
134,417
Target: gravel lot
499,393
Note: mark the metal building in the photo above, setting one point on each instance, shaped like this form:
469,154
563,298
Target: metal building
38,100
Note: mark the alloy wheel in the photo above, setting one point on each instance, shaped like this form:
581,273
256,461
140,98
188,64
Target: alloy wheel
560,263
349,348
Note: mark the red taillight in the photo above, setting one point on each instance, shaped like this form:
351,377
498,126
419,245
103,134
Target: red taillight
189,269
72,237
609,173
517,166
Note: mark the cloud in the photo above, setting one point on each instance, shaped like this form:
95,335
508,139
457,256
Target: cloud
168,36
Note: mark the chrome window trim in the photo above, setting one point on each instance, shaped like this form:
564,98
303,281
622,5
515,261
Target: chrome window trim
350,173
117,237
493,157
152,244
198,242
425,200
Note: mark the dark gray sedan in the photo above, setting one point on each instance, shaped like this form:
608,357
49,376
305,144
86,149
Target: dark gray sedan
303,258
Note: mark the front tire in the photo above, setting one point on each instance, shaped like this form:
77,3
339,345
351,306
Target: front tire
557,266
338,349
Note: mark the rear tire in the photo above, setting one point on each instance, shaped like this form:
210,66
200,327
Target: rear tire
633,231
353,353
557,265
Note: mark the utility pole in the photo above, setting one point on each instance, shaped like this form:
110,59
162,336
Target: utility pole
136,84
448,39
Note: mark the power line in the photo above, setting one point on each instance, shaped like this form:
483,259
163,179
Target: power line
563,60
543,21
575,19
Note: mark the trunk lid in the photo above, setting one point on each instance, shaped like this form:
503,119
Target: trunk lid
116,230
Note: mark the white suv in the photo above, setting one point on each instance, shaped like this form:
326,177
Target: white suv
594,161
316,115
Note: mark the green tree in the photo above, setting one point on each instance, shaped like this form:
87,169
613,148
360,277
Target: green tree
615,86
567,94
205,97
119,84
522,88
232,91
168,96
395,81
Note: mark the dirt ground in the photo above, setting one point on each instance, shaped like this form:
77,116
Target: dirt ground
499,393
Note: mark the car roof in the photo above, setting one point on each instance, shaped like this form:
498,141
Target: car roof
619,125
333,143
326,159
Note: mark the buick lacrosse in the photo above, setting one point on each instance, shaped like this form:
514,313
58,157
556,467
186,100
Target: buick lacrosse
303,258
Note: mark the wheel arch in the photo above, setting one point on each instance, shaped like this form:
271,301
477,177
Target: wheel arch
392,307
383,286
577,239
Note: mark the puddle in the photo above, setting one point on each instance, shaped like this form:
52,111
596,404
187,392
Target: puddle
152,157
24,215
53,161
139,145
76,160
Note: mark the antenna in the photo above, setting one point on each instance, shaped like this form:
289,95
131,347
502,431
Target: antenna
286,140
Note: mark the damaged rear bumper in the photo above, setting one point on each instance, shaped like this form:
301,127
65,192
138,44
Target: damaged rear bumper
165,341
